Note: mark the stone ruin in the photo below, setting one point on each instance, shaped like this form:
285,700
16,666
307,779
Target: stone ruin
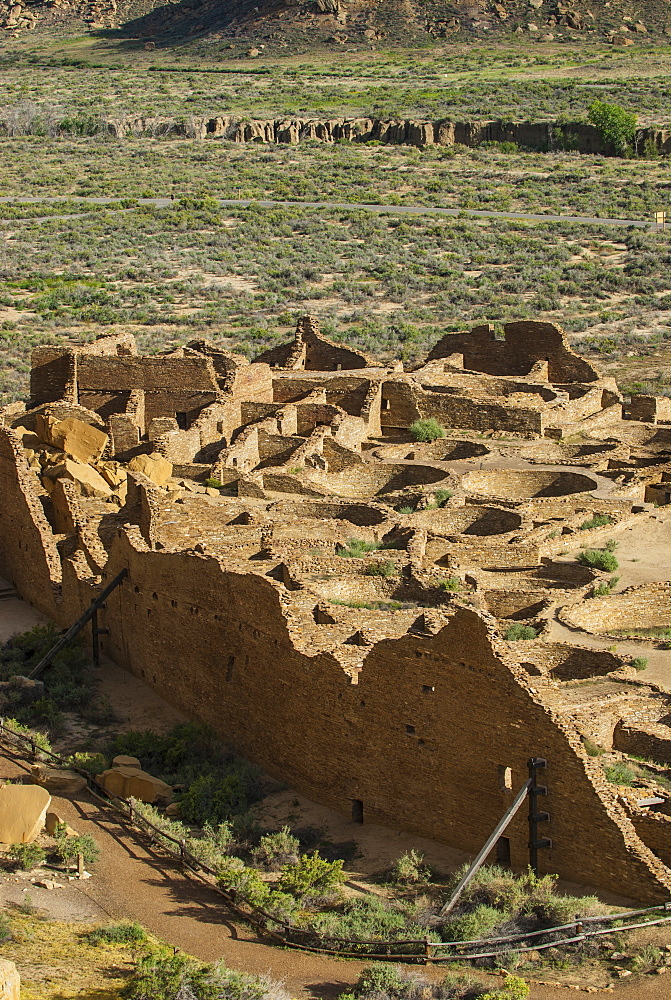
331,595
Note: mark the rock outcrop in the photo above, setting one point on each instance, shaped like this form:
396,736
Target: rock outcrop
23,810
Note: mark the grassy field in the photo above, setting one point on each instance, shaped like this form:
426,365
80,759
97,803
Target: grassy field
391,286
387,284
104,75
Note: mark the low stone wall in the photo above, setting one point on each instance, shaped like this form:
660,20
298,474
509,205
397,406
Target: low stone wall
648,606
651,740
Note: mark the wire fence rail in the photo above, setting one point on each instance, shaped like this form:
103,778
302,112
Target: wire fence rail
412,950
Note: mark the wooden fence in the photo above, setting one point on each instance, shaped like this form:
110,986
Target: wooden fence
412,950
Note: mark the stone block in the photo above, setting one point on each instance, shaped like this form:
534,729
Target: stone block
123,760
75,437
153,466
87,481
10,981
23,810
56,781
127,782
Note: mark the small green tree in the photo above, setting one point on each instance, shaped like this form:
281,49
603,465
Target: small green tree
617,126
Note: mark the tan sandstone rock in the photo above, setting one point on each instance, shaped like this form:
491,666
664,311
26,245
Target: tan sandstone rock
153,466
131,781
88,482
57,781
53,820
75,437
123,760
10,981
23,810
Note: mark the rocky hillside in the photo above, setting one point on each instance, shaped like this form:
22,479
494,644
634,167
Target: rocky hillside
276,25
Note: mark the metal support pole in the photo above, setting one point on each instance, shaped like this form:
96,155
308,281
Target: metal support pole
535,815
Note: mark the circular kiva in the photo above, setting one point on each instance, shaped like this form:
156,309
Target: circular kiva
509,484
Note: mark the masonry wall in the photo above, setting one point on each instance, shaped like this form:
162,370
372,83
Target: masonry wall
28,555
525,344
218,645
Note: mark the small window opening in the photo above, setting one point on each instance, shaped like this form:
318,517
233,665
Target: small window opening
386,405
136,589
503,852
235,462
357,811
154,597
427,689
505,778
220,427
410,730
229,668
182,422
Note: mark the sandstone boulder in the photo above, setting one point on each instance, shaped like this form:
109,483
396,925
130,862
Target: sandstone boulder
123,760
23,810
57,781
75,437
88,482
53,820
114,474
153,466
131,781
10,982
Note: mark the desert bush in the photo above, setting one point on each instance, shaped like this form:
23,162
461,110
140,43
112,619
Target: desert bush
453,584
596,521
312,876
94,763
385,568
27,856
128,932
619,773
426,429
598,559
518,631
235,876
409,869
68,848
161,975
276,850
639,662
389,982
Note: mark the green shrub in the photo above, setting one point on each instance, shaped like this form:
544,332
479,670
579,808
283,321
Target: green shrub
514,988
606,587
355,548
234,875
592,748
94,763
123,932
639,662
312,876
366,919
27,856
161,975
409,870
596,521
598,559
68,848
41,740
426,429
441,497
619,773
474,924
5,927
214,484
277,849
519,631
453,584
384,568
405,510
611,545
